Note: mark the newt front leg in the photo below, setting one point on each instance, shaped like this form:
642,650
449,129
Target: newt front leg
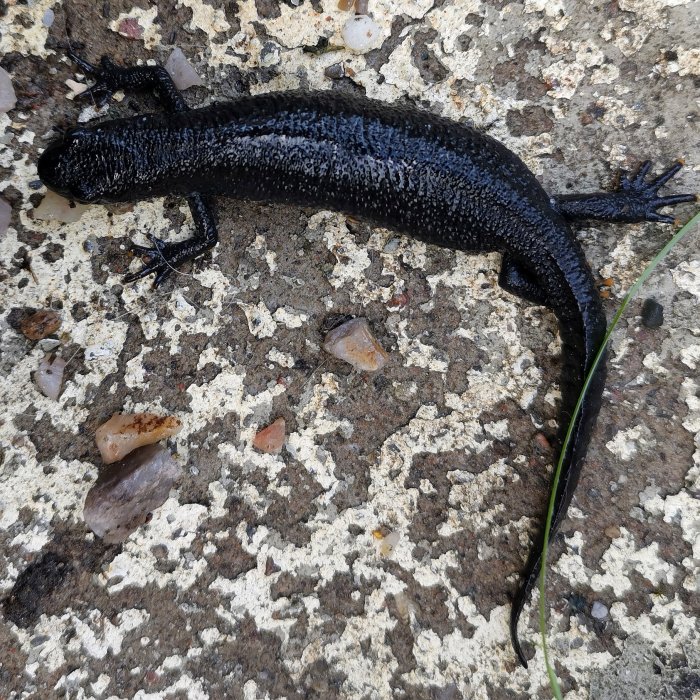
162,258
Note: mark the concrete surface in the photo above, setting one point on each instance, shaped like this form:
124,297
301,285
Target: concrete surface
267,576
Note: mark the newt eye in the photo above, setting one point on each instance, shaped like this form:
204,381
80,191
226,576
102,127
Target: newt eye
75,132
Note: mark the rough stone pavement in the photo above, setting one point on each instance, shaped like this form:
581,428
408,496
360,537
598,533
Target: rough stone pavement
270,576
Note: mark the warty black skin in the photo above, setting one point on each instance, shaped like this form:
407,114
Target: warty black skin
422,175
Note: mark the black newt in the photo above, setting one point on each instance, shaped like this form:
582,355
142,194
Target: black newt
408,170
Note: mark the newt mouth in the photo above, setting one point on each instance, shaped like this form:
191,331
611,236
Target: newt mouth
50,168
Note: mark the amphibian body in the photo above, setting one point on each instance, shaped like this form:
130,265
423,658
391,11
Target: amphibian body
422,175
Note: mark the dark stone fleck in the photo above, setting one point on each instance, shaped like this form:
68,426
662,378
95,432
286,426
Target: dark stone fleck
531,121
267,9
38,581
427,63
652,313
53,252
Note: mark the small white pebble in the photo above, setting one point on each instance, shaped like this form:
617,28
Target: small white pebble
181,71
75,88
47,19
360,33
56,208
8,99
49,376
599,611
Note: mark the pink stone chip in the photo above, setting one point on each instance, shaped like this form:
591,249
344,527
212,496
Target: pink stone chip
353,342
271,439
127,492
124,432
130,28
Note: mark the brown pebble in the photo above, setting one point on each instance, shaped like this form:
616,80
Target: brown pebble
612,531
40,324
398,301
271,439
542,442
271,567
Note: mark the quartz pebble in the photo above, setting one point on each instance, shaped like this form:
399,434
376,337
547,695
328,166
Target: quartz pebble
124,432
360,33
5,216
599,611
49,376
48,18
353,342
56,208
181,71
41,324
8,99
127,492
271,438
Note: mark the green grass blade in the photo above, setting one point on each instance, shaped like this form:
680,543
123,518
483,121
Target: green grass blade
680,234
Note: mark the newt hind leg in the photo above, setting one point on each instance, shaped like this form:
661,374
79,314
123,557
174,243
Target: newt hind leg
162,259
633,200
516,280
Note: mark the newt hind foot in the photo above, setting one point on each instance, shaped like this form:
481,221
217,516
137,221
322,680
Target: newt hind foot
646,194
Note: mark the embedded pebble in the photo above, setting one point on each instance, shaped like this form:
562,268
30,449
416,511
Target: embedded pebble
599,611
271,439
652,313
124,432
360,33
353,342
56,208
127,492
181,70
49,376
335,71
398,301
612,531
48,18
388,544
5,216
8,99
40,324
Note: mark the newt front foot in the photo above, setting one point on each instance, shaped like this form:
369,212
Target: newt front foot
161,259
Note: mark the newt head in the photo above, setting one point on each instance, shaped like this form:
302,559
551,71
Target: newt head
76,168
